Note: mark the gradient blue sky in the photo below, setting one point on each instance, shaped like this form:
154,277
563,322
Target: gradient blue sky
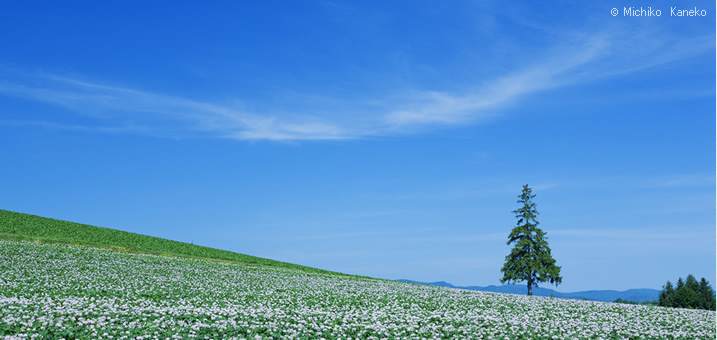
380,138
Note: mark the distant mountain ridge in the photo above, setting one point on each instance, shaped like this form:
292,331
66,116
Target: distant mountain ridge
641,294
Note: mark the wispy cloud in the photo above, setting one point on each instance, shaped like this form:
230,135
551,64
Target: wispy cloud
690,239
634,234
352,235
451,108
139,111
691,180
123,109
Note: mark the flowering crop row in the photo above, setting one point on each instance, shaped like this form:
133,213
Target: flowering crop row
53,291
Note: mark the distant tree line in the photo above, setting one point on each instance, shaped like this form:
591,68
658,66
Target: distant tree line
633,302
688,294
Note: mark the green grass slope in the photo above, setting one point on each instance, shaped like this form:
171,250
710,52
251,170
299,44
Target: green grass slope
18,226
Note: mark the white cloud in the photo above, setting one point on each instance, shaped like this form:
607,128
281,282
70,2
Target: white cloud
122,109
635,235
682,181
449,108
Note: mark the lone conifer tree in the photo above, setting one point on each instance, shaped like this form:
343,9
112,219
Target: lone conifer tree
530,260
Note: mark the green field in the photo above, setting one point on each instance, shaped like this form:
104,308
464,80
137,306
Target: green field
18,226
58,290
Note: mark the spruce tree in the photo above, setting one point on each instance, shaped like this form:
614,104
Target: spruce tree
707,295
530,259
667,295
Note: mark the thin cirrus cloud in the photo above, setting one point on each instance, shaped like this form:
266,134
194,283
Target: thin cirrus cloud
151,113
119,109
449,108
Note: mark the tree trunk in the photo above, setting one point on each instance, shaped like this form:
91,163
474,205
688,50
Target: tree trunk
530,287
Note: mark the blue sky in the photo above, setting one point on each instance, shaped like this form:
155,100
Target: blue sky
387,139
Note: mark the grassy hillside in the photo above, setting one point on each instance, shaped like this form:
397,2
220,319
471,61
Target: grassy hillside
18,226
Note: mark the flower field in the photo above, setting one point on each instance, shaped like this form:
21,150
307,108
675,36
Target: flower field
54,291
